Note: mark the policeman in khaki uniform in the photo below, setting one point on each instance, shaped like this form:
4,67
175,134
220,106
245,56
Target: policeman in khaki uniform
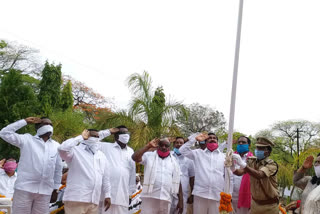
263,178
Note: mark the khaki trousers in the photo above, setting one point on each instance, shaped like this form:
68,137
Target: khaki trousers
75,207
264,209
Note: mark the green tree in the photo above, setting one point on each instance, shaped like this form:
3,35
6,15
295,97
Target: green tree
17,100
50,86
67,124
67,97
150,115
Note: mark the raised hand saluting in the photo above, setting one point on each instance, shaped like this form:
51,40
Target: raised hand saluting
33,120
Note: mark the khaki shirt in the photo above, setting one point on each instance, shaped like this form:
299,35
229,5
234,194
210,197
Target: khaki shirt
270,184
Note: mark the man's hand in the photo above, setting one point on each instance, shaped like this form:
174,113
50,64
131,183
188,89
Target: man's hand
153,143
33,120
239,161
107,203
114,130
308,163
85,134
54,196
180,207
2,162
202,137
190,200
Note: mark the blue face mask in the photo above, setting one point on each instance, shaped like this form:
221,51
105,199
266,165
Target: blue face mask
202,142
176,151
242,148
259,154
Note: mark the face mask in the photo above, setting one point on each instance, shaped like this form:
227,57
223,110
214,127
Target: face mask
202,142
242,148
259,154
163,154
317,171
212,146
93,140
45,129
92,144
10,166
124,138
176,150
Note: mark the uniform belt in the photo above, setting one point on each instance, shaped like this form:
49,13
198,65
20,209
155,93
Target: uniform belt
268,201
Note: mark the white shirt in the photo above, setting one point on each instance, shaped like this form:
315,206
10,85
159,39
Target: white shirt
40,166
187,171
164,174
209,171
88,173
122,170
7,184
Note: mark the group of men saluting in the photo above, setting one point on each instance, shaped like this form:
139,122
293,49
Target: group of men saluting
102,176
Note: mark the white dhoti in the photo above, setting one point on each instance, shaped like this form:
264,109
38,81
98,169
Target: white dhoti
30,203
174,204
205,206
115,209
155,206
75,207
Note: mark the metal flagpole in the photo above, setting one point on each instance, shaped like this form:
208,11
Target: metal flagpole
234,86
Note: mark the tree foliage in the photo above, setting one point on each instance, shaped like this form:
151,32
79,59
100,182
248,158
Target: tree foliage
19,57
84,95
66,102
50,88
201,118
17,101
150,115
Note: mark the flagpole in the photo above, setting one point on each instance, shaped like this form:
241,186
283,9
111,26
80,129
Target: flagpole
234,93
235,77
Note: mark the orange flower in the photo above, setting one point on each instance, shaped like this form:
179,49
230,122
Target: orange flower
225,202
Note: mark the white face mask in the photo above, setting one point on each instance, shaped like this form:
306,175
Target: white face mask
124,138
93,140
317,171
45,129
92,144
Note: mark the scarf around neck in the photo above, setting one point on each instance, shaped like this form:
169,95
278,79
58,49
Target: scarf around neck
244,191
150,174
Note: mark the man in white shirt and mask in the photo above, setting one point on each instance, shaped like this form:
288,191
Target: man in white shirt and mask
8,177
209,173
161,178
122,168
187,176
88,174
40,166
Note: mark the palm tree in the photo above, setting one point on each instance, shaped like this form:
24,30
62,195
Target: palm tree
149,114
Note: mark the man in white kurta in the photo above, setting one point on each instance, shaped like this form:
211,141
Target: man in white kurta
88,174
187,175
8,177
209,173
122,169
40,166
161,178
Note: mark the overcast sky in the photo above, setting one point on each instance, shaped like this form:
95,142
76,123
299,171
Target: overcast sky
187,47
